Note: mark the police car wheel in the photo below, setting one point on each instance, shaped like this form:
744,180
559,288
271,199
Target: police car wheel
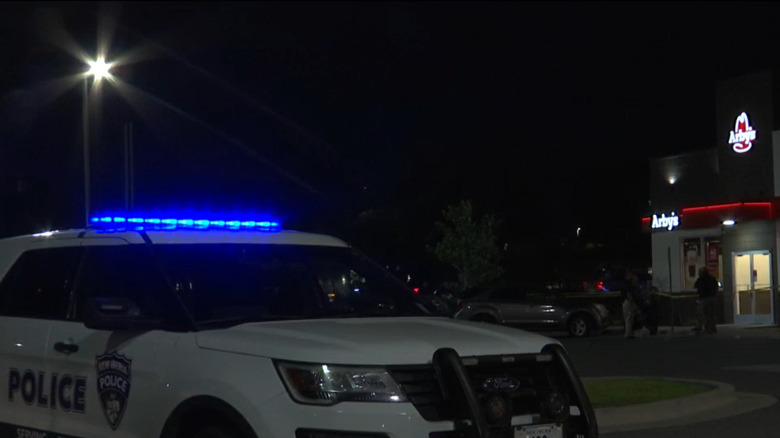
214,432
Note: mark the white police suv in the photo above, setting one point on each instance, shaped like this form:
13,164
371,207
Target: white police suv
152,327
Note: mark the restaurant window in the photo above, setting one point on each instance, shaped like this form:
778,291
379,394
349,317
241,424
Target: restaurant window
700,253
713,258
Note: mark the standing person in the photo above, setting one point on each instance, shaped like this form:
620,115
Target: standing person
630,293
707,287
648,305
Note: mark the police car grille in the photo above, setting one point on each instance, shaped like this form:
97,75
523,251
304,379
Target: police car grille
422,389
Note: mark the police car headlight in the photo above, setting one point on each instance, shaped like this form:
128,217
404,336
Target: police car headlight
327,385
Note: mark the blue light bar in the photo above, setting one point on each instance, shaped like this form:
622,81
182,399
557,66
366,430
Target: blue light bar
168,223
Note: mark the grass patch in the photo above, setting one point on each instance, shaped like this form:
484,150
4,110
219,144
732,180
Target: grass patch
608,393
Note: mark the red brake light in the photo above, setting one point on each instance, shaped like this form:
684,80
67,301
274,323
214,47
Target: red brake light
416,290
600,285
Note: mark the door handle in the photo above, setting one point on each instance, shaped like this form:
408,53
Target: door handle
62,347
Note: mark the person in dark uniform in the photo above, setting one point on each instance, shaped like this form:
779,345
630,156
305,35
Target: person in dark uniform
707,287
649,308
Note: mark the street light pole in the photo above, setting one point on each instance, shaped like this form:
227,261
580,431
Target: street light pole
98,70
129,166
85,136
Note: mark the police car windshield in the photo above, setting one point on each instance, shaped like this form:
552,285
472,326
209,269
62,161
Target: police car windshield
228,284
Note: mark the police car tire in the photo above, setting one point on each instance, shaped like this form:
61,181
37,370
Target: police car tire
213,432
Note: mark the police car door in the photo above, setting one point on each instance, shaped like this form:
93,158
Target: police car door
118,365
35,292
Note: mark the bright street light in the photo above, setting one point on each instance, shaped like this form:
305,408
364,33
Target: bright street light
99,69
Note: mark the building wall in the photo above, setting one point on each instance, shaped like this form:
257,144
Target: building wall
776,278
687,180
776,159
750,175
749,236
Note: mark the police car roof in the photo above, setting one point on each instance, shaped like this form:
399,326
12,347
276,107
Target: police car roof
177,236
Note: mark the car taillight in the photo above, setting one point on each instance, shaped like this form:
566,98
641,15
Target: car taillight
416,290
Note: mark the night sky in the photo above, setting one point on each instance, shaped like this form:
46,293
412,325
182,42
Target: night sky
365,120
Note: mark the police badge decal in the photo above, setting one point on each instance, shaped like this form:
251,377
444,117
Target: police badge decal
113,377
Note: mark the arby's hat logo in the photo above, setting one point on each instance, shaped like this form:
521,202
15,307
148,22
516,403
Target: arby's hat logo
742,137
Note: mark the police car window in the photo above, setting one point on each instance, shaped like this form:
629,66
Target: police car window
125,271
224,282
235,283
40,283
349,288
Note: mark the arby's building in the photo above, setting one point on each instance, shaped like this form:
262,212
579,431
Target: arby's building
719,208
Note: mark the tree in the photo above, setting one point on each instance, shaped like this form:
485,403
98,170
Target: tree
469,245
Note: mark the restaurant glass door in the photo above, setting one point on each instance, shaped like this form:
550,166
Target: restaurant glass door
753,301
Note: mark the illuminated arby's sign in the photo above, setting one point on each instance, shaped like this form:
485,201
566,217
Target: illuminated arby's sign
668,222
742,137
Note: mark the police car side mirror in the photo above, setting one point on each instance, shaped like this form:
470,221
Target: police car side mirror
117,314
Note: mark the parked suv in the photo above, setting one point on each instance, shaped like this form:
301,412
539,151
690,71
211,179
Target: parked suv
152,330
533,311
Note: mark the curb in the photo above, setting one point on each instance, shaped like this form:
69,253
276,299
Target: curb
722,401
735,331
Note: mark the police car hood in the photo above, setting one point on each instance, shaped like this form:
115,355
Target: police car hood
370,341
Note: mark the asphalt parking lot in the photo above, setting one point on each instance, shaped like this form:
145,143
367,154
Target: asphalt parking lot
746,358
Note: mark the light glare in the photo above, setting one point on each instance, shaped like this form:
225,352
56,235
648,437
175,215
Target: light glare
99,69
